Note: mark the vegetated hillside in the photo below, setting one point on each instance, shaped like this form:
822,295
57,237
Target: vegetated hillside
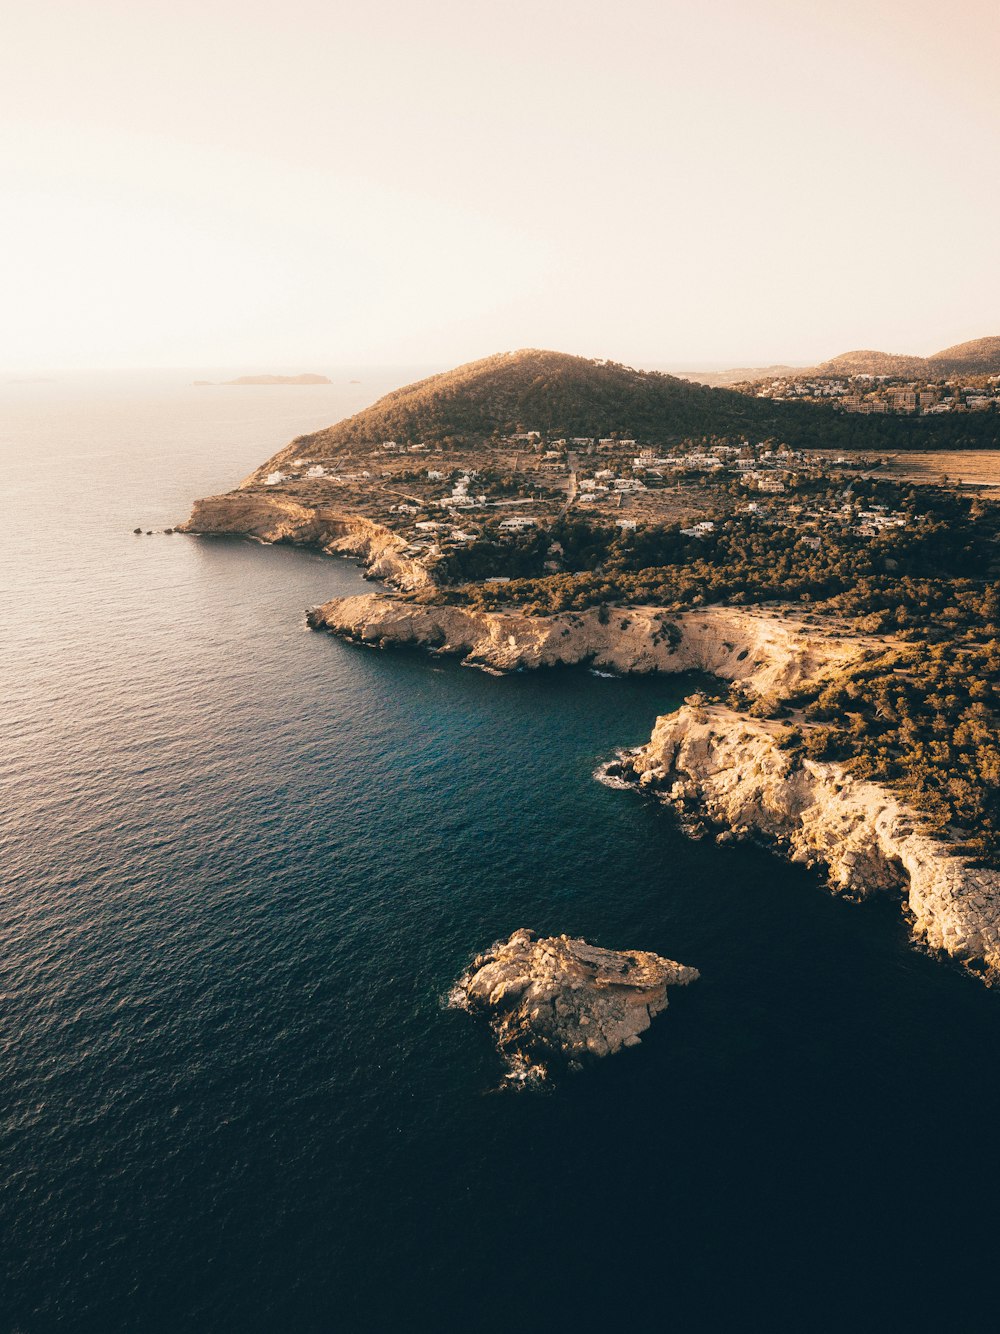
981,356
565,396
869,362
549,392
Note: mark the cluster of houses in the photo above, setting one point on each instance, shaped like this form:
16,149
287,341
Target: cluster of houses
890,394
926,402
313,471
760,470
847,517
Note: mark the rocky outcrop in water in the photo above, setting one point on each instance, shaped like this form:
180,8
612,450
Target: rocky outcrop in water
561,997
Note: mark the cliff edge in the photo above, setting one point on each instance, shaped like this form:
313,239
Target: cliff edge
722,764
732,769
276,518
768,650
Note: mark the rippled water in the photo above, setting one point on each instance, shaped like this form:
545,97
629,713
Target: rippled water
242,865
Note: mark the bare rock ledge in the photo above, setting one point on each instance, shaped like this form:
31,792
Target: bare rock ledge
732,770
724,766
764,648
263,518
561,997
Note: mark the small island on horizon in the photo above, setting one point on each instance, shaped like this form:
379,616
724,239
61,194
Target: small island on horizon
306,378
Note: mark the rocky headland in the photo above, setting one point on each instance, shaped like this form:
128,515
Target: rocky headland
393,487
721,765
732,770
563,998
768,650
276,518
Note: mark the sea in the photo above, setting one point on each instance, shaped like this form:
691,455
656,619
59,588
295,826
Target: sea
242,865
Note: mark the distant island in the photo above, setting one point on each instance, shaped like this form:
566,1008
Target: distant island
270,379
828,550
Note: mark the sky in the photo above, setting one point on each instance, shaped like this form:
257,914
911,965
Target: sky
661,182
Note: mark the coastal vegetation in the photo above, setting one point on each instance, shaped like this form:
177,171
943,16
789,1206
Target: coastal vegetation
744,557
922,716
532,483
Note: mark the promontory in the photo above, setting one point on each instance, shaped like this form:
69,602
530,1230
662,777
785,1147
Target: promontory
833,571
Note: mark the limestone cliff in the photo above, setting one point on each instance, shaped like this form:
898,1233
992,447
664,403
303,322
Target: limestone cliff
732,769
248,513
767,650
723,764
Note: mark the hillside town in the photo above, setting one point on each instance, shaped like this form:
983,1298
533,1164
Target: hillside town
895,395
512,490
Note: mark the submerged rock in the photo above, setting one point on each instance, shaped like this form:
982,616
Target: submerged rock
562,997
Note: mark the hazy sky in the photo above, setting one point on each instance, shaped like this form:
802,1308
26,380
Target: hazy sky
313,182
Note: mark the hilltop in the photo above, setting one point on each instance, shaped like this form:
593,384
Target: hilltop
867,361
549,392
567,397
563,396
980,356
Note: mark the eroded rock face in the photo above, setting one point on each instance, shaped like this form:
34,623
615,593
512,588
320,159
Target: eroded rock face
764,650
247,513
732,770
561,997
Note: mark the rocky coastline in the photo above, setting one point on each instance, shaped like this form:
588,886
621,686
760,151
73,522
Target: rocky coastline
730,770
722,766
263,518
767,650
711,764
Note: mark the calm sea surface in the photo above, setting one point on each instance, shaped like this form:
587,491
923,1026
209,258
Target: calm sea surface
243,863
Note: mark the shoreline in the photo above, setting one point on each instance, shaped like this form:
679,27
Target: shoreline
711,764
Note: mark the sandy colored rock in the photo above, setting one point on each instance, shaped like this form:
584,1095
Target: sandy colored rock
557,996
732,769
765,649
247,513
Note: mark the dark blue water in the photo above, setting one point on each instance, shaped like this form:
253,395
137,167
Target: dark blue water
243,864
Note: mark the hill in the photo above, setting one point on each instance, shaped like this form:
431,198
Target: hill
564,396
981,356
740,375
869,362
550,392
